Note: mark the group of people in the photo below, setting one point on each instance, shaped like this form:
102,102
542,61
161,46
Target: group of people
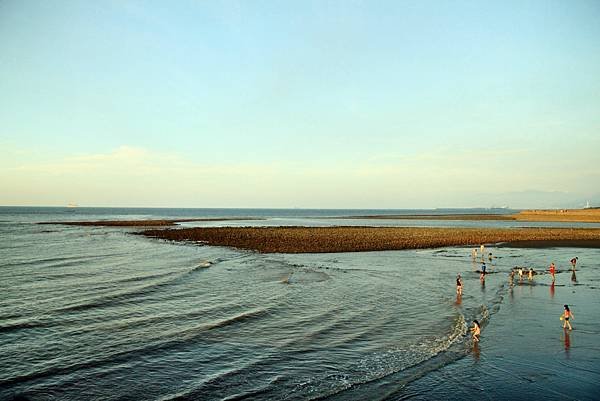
476,328
521,272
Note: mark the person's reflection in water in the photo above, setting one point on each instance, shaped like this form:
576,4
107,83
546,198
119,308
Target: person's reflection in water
573,277
476,351
552,290
566,337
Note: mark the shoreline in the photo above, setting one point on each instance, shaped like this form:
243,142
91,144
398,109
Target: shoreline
564,215
367,239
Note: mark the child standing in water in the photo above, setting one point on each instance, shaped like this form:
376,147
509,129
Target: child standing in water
530,274
476,331
552,270
520,273
567,314
459,285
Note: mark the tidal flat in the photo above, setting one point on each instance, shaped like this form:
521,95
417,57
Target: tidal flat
362,239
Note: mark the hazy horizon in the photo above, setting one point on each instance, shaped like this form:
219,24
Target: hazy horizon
482,207
387,105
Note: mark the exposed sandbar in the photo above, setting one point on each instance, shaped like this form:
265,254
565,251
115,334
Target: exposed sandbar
361,239
142,223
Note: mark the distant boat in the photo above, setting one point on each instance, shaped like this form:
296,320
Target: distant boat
587,205
72,205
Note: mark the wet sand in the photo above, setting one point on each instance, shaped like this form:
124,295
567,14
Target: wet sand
361,239
524,353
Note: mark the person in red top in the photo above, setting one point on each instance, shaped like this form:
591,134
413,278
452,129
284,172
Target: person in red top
552,270
567,314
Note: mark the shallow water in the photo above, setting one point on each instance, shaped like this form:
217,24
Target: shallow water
90,313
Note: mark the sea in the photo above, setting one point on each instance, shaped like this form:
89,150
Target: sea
97,313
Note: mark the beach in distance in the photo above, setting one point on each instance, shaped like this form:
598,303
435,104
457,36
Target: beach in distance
591,215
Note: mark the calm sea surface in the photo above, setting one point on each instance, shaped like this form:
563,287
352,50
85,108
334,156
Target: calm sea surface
92,313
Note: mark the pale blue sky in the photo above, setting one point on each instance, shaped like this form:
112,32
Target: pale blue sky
300,104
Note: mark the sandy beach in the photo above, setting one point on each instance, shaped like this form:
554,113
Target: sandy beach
579,215
360,239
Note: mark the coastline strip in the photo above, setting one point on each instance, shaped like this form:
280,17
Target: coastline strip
364,239
462,216
565,215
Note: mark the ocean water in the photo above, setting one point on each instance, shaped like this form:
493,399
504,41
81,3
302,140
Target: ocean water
92,313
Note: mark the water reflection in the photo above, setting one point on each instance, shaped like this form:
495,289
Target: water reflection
566,337
476,352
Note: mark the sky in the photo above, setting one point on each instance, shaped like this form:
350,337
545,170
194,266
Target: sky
324,104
